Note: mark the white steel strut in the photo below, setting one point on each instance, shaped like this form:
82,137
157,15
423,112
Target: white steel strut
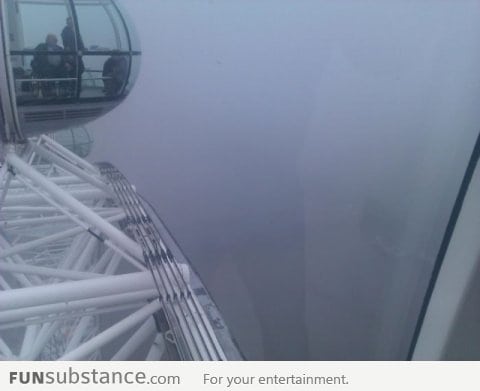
84,273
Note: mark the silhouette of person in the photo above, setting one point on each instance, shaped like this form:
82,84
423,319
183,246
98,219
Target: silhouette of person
73,42
114,74
51,64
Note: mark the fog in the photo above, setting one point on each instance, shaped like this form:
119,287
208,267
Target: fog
306,156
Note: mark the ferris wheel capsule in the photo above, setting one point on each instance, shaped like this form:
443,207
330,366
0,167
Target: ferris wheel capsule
63,63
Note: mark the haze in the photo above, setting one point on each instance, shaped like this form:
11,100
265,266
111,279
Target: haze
306,156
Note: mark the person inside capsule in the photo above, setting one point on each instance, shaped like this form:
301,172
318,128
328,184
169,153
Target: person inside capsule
114,75
68,37
70,41
70,61
55,66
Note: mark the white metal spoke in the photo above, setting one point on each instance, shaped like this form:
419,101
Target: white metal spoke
143,333
113,332
76,248
157,350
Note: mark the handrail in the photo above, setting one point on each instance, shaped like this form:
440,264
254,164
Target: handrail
64,79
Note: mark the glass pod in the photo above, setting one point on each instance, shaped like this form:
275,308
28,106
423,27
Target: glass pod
65,62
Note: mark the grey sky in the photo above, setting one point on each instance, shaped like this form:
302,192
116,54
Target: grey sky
306,155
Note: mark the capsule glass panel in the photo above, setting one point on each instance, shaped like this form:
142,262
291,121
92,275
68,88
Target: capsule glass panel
101,27
131,30
104,76
134,72
30,21
77,140
70,61
42,69
85,52
44,78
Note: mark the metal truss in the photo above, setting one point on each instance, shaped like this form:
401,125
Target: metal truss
84,273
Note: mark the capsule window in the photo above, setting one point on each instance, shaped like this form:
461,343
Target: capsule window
104,76
78,140
63,51
42,68
101,26
44,77
31,21
134,72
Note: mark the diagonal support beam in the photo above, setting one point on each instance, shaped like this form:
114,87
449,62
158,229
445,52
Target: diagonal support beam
57,193
20,314
84,350
144,332
52,144
75,290
69,167
47,272
50,239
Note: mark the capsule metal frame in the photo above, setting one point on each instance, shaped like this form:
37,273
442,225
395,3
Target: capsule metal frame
25,108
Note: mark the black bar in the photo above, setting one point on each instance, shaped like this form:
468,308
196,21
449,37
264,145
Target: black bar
32,52
57,100
457,207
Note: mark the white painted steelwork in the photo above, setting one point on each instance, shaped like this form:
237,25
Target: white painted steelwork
72,251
